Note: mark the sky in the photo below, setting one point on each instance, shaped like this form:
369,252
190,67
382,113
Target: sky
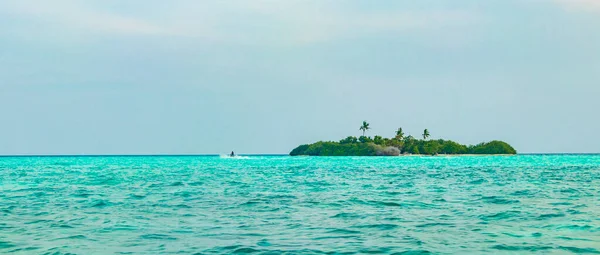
263,76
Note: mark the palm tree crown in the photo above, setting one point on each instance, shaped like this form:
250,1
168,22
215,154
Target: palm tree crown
399,133
426,134
364,127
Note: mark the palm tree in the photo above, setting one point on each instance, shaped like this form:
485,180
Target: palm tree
364,127
399,134
426,134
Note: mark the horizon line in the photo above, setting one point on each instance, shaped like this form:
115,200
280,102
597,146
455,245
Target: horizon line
244,154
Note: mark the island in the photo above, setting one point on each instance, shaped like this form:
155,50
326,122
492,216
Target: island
399,145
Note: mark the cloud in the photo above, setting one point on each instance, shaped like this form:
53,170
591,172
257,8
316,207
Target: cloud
244,22
307,27
74,15
587,5
305,22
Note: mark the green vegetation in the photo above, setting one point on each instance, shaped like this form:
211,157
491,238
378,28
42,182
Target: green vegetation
364,127
344,149
426,134
399,134
400,144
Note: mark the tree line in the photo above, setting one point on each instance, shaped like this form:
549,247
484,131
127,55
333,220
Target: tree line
399,144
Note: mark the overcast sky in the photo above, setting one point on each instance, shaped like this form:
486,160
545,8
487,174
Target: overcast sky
189,76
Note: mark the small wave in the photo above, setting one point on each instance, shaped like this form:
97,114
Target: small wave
389,204
185,194
575,227
263,243
39,194
63,164
498,200
82,195
61,226
394,219
245,250
513,235
41,214
379,226
38,221
418,204
6,245
561,203
343,231
157,237
183,206
393,193
478,181
100,204
533,248
254,234
406,185
550,215
155,185
25,249
4,226
439,224
523,193
382,250
221,250
334,237
413,252
281,197
196,183
500,216
119,227
569,191
347,216
8,209
579,250
573,238
176,184
74,237
137,196
251,203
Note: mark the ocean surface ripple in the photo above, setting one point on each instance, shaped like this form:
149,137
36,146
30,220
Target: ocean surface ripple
526,204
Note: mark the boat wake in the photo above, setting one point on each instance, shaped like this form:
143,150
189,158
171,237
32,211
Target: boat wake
225,156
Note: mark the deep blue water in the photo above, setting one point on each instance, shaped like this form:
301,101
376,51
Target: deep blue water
527,204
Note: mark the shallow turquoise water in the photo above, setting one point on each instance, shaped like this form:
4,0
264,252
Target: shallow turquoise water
206,205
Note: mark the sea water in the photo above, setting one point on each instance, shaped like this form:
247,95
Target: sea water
526,204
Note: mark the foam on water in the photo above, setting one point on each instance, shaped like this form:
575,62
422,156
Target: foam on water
225,156
543,204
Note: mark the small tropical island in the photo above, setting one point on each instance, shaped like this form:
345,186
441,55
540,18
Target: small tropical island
398,145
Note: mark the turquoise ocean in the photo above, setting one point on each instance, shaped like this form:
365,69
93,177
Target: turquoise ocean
525,204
